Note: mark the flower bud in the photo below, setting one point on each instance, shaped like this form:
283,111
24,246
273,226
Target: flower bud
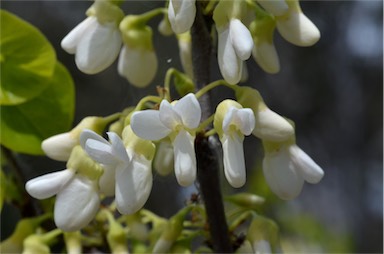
263,235
164,26
185,53
247,200
164,159
268,124
297,28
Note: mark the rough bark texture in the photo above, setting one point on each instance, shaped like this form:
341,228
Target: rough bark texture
207,149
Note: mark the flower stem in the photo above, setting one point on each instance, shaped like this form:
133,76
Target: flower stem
214,84
206,149
146,99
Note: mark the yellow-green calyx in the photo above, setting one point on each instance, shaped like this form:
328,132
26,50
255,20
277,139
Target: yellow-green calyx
263,27
116,235
220,113
83,164
138,145
247,200
227,10
250,98
175,225
270,146
39,243
95,123
135,32
73,242
183,84
262,228
105,11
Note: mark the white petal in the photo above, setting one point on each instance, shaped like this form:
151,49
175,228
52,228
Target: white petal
137,65
147,125
98,48
271,126
243,119
76,204
185,53
89,134
185,158
281,175
266,57
241,39
118,148
71,40
48,185
189,109
275,7
181,14
59,147
133,185
262,247
168,116
309,170
230,65
297,29
234,163
107,180
100,152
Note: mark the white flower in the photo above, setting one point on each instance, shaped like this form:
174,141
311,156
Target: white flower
178,121
95,45
296,27
236,123
266,57
185,53
138,65
286,168
234,46
59,147
131,171
181,14
77,199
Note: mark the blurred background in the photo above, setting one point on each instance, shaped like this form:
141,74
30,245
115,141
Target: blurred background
333,91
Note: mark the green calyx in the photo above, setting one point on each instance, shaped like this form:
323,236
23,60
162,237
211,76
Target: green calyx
227,10
83,164
138,145
95,123
106,11
263,27
250,98
135,32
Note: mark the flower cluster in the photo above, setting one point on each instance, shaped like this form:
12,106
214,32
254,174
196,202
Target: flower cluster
244,28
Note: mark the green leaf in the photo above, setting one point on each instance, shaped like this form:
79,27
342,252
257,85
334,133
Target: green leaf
25,126
27,60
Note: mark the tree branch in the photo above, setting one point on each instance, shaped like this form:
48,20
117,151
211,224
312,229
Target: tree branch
206,149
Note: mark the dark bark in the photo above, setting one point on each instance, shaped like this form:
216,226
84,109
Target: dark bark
208,165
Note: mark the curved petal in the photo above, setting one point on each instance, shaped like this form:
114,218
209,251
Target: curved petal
281,176
243,119
298,29
89,134
185,158
234,163
181,14
147,125
76,204
138,65
133,185
168,116
164,159
189,109
71,40
266,57
271,126
59,147
107,180
118,148
241,39
100,152
310,171
48,185
98,48
230,65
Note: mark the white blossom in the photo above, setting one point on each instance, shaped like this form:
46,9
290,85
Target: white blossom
286,168
178,121
95,45
77,199
266,57
234,46
181,14
132,172
237,122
